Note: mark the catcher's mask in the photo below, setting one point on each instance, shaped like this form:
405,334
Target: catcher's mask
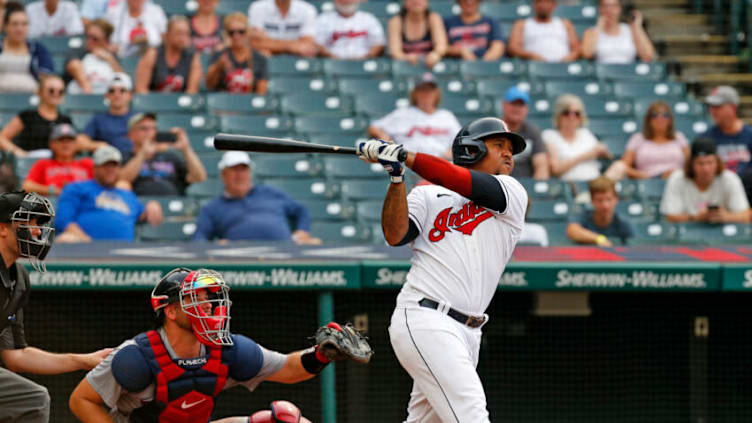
469,144
35,232
204,296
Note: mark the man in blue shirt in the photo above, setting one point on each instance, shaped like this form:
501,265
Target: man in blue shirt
112,127
602,224
97,209
473,36
732,137
248,212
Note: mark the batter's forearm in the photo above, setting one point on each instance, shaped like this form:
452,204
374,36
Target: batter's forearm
394,214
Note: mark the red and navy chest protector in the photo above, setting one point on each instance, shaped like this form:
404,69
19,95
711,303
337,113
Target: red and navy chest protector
184,388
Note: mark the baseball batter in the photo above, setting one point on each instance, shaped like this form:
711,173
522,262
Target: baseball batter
462,231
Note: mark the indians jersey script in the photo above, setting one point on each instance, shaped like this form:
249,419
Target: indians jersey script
349,37
462,248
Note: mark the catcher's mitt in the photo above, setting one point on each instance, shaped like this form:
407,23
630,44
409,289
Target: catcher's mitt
338,343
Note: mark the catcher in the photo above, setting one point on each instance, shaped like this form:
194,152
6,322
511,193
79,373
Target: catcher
173,373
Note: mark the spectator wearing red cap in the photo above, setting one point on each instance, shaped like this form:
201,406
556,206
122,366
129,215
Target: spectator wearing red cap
49,176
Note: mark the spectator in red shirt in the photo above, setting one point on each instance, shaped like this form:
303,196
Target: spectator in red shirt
49,176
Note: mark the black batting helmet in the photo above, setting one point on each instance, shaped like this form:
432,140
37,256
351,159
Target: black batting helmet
469,146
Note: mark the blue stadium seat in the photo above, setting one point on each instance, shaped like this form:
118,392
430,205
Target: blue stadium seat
357,190
165,121
228,103
308,188
549,210
332,210
15,102
632,72
457,86
169,103
557,234
637,212
369,211
326,124
651,189
498,87
286,85
380,9
654,233
367,87
210,188
210,160
341,168
174,207
705,234
359,69
537,108
91,103
225,7
341,232
581,89
286,166
167,231
178,7
504,68
582,13
466,104
610,127
604,108
129,64
257,125
22,165
5,118
403,69
570,71
615,144
445,8
317,104
691,126
202,140
62,44
682,107
505,11
80,119
552,189
650,89
378,105
283,65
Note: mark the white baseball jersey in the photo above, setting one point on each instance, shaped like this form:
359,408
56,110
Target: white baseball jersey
152,22
349,37
65,20
420,132
300,20
462,248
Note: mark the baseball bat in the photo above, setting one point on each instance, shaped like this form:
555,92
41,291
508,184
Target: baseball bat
255,143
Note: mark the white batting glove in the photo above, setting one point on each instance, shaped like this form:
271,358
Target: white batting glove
369,150
389,157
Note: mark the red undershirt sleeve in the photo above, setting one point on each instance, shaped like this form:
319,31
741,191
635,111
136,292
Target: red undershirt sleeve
441,172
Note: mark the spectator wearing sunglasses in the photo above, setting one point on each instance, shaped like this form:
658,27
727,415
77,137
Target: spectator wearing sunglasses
112,127
28,133
656,152
238,68
88,70
573,150
22,62
172,67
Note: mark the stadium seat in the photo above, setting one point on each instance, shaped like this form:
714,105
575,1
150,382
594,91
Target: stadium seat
557,234
651,189
165,121
202,140
80,119
210,160
571,71
286,166
357,190
615,144
705,234
228,103
655,71
325,124
129,64
174,207
257,125
287,85
322,209
691,126
168,103
541,121
604,108
505,68
582,89
498,87
682,107
366,87
538,107
167,231
636,211
62,44
15,102
283,65
91,103
626,188
445,8
225,7
22,165
583,13
552,189
465,104
5,118
357,69
369,211
377,105
178,7
317,104
609,127
309,188
653,233
505,11
342,168
650,90
341,232
549,210
403,69
212,187
457,86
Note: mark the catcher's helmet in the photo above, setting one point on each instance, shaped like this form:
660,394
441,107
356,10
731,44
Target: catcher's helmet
469,146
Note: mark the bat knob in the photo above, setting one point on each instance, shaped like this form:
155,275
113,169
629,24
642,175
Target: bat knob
402,155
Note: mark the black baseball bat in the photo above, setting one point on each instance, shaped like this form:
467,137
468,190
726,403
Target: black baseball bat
255,143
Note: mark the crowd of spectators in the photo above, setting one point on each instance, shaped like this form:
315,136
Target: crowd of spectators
703,178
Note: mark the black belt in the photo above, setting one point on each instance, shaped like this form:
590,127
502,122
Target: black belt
472,321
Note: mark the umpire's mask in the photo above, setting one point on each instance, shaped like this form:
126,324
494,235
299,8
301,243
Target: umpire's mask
35,218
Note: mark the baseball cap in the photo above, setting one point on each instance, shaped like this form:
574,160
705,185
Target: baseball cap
138,117
723,94
121,80
107,153
63,130
514,94
703,147
426,80
234,158
9,203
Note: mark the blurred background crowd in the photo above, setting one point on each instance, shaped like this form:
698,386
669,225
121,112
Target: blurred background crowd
109,107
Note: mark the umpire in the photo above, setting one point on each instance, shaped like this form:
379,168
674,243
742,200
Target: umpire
26,230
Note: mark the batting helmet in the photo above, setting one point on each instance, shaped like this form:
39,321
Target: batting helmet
469,146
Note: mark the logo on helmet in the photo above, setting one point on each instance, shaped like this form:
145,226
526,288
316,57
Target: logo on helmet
464,220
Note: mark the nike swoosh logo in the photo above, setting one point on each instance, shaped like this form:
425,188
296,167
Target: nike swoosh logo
443,195
185,405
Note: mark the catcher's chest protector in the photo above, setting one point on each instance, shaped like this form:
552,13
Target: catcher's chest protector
184,394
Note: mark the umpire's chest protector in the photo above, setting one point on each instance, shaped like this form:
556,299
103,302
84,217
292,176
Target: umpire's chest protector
184,391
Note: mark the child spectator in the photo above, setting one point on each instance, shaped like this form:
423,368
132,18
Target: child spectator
603,224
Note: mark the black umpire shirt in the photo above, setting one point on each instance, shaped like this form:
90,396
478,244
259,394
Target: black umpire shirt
14,294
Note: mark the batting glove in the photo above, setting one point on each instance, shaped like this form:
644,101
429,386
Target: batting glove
369,150
389,157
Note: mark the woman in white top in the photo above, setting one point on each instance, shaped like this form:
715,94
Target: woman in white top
544,37
613,42
573,150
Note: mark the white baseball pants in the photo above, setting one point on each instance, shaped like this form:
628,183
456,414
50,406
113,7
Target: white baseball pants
441,355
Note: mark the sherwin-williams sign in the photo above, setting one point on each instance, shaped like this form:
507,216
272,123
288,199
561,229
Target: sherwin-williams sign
575,276
737,277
